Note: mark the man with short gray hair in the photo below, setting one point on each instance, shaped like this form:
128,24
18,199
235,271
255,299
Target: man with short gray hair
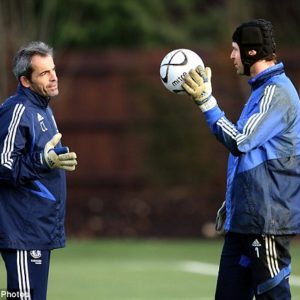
32,174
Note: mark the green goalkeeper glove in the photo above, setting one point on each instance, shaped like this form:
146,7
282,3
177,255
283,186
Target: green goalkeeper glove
59,157
198,85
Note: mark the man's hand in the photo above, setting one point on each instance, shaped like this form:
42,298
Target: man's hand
198,85
59,157
220,219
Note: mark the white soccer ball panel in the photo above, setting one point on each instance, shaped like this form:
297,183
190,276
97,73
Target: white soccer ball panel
175,66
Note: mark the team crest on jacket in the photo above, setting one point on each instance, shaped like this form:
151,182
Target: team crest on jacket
41,121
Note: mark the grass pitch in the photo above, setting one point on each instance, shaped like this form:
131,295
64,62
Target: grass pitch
140,270
131,270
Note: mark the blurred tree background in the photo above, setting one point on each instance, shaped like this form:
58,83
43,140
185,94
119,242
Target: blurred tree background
147,24
165,174
106,24
143,24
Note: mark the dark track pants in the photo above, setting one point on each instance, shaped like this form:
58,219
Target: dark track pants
27,273
254,265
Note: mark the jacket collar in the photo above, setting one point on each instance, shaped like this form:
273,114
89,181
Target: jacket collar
265,75
33,97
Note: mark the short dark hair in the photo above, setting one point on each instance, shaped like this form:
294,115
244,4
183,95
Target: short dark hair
22,60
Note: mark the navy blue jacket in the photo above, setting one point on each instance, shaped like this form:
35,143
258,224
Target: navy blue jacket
32,196
263,176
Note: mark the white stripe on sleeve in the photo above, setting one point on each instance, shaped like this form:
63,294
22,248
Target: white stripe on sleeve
256,118
9,140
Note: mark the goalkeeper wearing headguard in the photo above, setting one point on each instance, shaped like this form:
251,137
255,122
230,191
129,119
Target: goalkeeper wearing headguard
263,190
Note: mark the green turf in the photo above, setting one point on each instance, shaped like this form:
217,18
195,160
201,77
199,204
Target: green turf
137,270
130,270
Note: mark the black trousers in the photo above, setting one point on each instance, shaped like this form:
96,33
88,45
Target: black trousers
27,273
254,266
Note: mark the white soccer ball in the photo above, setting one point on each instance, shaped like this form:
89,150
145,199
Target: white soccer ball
175,66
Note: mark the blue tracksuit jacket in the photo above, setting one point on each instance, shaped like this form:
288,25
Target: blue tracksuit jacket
32,196
263,176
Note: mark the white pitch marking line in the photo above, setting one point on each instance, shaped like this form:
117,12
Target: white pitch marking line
212,270
200,268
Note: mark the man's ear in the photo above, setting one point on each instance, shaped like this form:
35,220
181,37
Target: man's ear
252,52
24,81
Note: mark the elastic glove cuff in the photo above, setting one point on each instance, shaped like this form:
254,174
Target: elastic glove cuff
207,104
51,159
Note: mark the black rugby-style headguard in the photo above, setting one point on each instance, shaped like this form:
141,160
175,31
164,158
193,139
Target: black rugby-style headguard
254,35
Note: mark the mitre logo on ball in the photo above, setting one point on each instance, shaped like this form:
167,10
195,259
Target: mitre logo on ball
175,66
